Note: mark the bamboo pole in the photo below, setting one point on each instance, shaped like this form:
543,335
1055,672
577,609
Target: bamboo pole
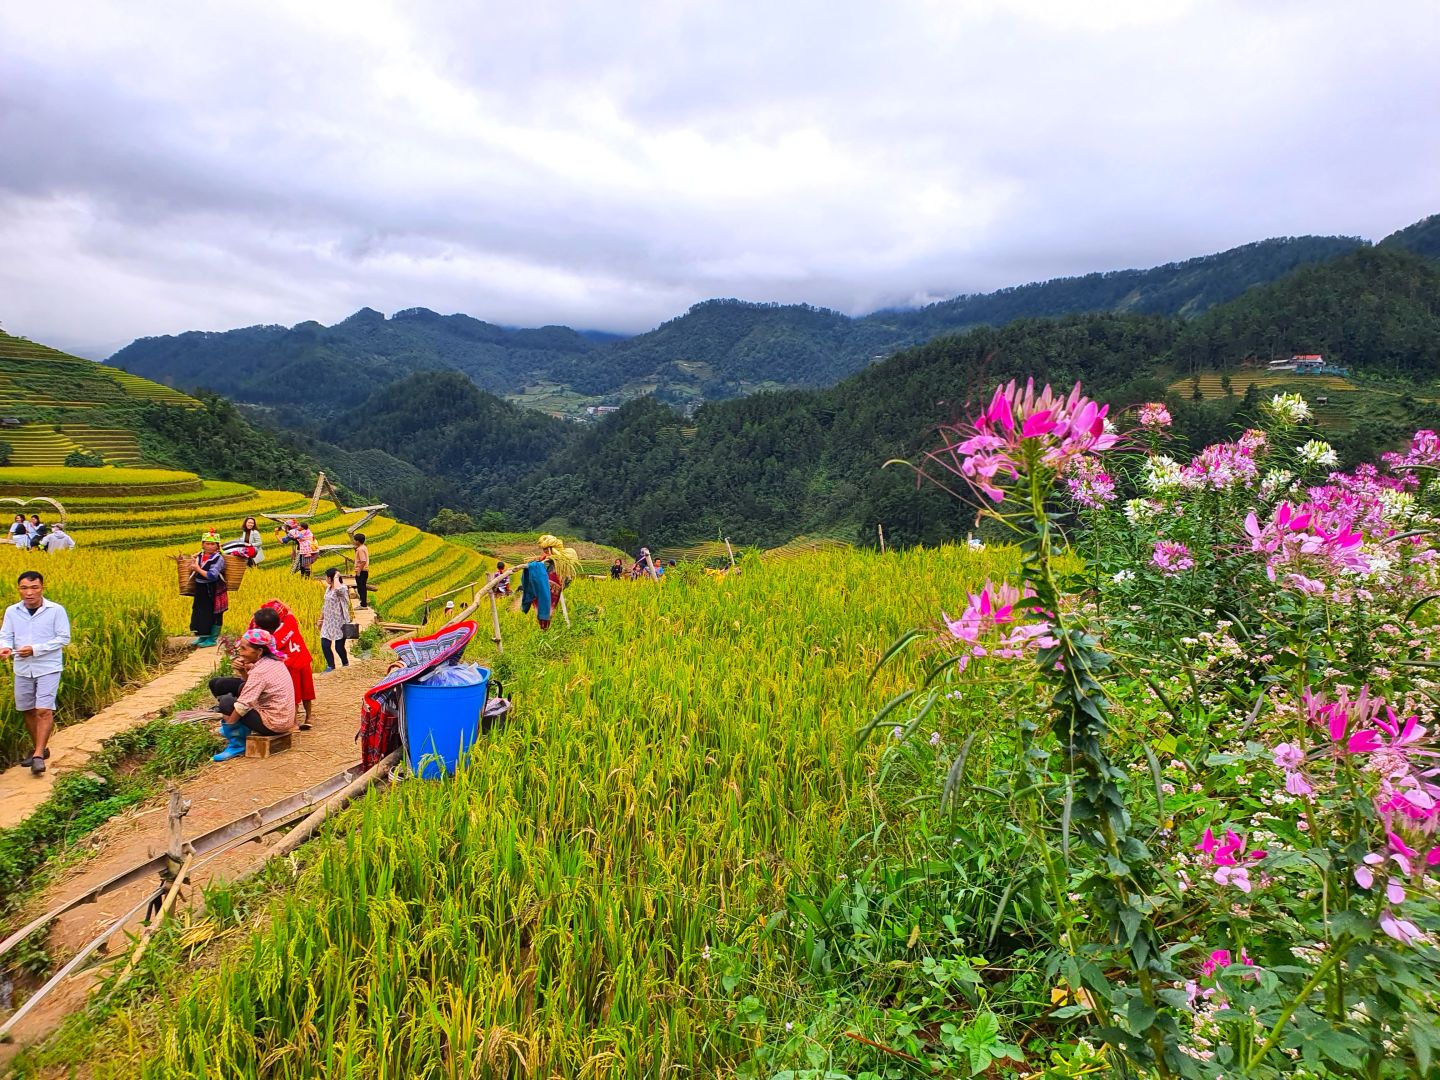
731,552
149,932
335,803
495,622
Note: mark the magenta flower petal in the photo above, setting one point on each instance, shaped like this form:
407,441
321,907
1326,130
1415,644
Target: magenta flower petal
1363,742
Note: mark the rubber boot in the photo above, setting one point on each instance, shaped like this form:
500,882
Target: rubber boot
205,642
235,744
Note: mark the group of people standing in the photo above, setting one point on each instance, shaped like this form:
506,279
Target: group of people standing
210,596
30,534
643,566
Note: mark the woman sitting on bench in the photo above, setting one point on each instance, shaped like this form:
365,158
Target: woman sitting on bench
261,700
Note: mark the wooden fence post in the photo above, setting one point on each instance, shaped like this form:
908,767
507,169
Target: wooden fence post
880,529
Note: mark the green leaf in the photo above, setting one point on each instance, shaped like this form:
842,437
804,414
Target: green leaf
1141,1016
1157,778
890,706
899,645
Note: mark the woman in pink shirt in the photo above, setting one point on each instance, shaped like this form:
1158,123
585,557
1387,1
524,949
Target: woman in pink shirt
265,703
307,548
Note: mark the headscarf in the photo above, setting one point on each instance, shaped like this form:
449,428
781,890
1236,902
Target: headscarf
566,560
263,640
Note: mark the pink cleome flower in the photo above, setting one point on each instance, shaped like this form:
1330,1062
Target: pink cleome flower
1017,422
1153,416
1171,557
1089,484
990,626
1230,857
1221,467
1424,450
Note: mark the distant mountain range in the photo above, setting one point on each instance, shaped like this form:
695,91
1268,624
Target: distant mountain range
718,349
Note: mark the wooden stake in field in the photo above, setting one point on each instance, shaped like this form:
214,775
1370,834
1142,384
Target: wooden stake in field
731,552
880,529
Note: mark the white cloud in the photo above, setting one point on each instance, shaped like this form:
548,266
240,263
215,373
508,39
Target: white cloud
606,165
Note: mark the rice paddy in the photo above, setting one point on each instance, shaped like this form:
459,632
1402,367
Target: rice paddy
584,898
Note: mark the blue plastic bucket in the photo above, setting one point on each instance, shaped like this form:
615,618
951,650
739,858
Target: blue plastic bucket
440,724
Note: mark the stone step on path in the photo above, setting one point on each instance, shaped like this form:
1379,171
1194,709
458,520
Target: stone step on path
71,747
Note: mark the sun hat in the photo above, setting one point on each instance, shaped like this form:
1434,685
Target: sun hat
449,605
261,639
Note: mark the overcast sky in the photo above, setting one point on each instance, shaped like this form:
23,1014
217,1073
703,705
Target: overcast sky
206,165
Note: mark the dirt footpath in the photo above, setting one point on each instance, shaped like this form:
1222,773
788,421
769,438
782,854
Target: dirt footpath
218,794
72,746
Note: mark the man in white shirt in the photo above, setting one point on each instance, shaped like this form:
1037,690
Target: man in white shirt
33,635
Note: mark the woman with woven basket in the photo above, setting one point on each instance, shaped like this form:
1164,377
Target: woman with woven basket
211,598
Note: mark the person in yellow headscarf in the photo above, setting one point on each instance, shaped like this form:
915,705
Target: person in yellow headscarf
556,568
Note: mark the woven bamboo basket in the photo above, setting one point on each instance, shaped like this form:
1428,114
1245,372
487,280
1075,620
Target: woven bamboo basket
235,567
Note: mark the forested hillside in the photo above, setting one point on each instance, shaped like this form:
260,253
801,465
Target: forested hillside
718,349
1423,237
767,467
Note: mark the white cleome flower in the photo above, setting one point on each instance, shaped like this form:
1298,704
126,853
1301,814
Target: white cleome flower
1139,510
1276,482
1123,576
1288,408
1319,452
1162,473
1397,504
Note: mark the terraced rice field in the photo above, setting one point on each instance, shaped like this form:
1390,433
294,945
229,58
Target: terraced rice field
151,513
36,377
38,445
714,552
1211,387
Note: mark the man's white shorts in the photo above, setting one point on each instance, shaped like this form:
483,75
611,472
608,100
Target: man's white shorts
36,691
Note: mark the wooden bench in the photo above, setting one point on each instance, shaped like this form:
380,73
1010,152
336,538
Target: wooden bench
266,745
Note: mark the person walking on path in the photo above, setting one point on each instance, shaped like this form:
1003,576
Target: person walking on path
211,598
362,569
275,617
334,614
261,700
33,637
